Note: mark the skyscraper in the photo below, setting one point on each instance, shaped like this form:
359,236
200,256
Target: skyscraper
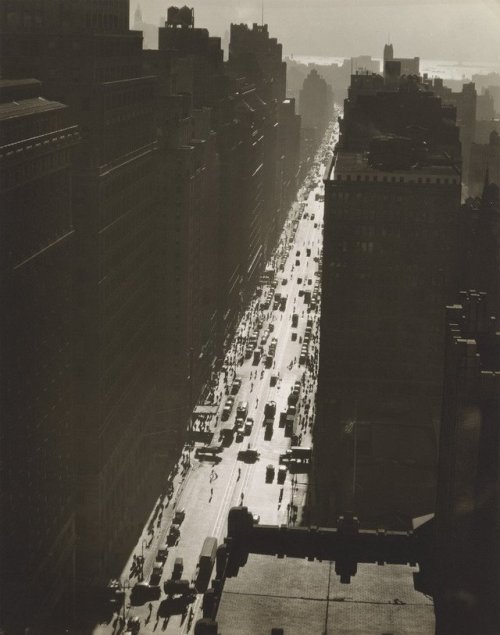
37,247
467,520
88,58
392,197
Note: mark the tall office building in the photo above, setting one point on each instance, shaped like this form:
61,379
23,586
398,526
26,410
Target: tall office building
467,522
316,111
392,198
405,65
237,117
465,102
258,58
37,251
188,182
88,58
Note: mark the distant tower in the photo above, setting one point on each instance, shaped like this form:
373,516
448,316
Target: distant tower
388,52
138,19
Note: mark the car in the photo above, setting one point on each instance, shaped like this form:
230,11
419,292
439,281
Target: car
284,281
273,380
134,624
294,336
299,280
178,569
180,514
291,410
154,579
236,386
270,473
162,552
173,535
315,224
250,455
230,401
142,592
281,474
297,263
248,426
226,411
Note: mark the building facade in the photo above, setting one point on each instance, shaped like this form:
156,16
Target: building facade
389,263
467,520
88,58
37,474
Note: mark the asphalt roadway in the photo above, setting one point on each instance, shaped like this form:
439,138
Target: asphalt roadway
206,490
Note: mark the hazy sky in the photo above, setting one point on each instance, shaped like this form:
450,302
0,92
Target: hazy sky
463,30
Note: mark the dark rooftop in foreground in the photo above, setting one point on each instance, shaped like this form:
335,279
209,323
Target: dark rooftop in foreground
307,597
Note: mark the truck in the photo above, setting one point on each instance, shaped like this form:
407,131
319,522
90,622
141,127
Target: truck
206,563
270,410
256,355
268,433
289,425
296,454
226,434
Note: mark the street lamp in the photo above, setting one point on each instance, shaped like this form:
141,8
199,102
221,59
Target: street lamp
144,542
125,586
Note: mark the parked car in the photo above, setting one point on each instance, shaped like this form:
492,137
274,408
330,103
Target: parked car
173,535
134,624
236,386
179,516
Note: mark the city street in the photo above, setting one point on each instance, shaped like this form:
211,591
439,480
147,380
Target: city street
206,487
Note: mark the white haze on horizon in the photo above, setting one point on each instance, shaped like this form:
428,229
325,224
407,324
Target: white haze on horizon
458,30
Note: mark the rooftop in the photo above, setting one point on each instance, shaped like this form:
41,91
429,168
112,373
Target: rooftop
26,107
301,596
346,165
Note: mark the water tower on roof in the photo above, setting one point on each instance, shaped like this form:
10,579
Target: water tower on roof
183,17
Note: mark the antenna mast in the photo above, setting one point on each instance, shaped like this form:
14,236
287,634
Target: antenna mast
262,12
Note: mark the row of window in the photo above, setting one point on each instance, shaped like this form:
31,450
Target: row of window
399,179
18,175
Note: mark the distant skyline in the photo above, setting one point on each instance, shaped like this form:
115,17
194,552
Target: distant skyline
457,30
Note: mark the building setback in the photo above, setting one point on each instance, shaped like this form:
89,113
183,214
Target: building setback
37,245
389,265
